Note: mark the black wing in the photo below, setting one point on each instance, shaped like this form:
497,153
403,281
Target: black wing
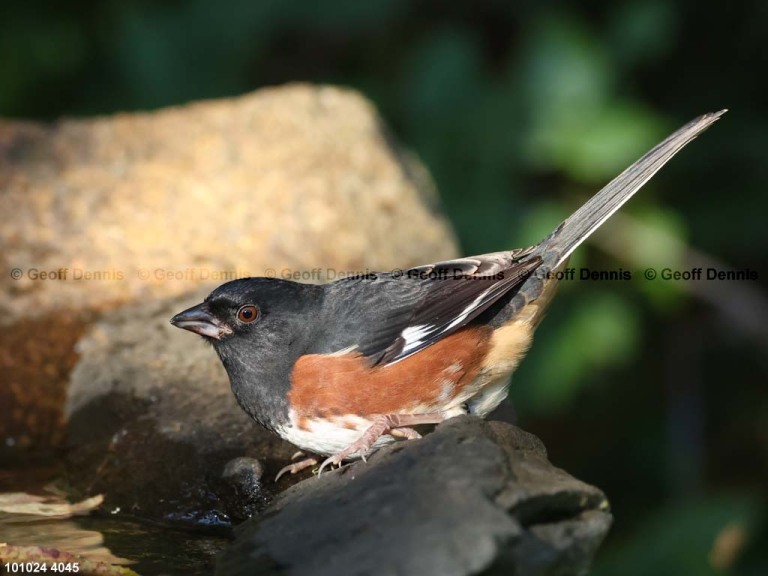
396,315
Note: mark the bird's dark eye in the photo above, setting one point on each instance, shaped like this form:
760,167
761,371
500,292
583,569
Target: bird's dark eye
248,313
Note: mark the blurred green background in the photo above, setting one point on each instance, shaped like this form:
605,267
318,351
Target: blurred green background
654,391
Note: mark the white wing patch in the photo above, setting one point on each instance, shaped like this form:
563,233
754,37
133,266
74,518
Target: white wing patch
415,336
344,351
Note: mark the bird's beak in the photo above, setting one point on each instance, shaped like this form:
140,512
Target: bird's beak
199,320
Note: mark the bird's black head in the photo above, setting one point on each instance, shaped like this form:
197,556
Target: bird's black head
258,327
254,317
252,309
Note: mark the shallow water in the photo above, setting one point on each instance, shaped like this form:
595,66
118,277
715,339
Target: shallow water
148,549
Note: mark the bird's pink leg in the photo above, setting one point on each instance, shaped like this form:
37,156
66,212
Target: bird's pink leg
394,424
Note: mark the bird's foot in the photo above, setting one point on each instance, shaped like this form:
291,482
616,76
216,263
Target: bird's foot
296,467
394,424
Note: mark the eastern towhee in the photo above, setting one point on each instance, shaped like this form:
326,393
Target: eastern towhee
341,369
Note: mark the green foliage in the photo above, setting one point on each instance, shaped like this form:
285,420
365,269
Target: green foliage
579,125
601,333
657,240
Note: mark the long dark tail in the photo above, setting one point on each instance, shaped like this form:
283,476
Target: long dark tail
602,205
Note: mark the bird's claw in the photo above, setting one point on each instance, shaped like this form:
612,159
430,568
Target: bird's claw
296,467
405,432
332,461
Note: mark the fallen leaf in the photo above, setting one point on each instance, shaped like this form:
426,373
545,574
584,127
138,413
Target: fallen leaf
50,507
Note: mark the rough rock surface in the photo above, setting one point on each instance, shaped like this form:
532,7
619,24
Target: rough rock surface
473,497
137,207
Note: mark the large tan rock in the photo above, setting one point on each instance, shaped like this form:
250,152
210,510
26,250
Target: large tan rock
145,206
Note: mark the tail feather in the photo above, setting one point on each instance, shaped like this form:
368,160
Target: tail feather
578,227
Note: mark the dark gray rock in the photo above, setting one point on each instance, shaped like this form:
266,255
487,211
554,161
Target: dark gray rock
241,489
473,497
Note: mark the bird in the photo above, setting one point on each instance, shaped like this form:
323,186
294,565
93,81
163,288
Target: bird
344,368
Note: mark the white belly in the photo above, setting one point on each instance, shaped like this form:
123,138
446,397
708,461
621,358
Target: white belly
329,436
